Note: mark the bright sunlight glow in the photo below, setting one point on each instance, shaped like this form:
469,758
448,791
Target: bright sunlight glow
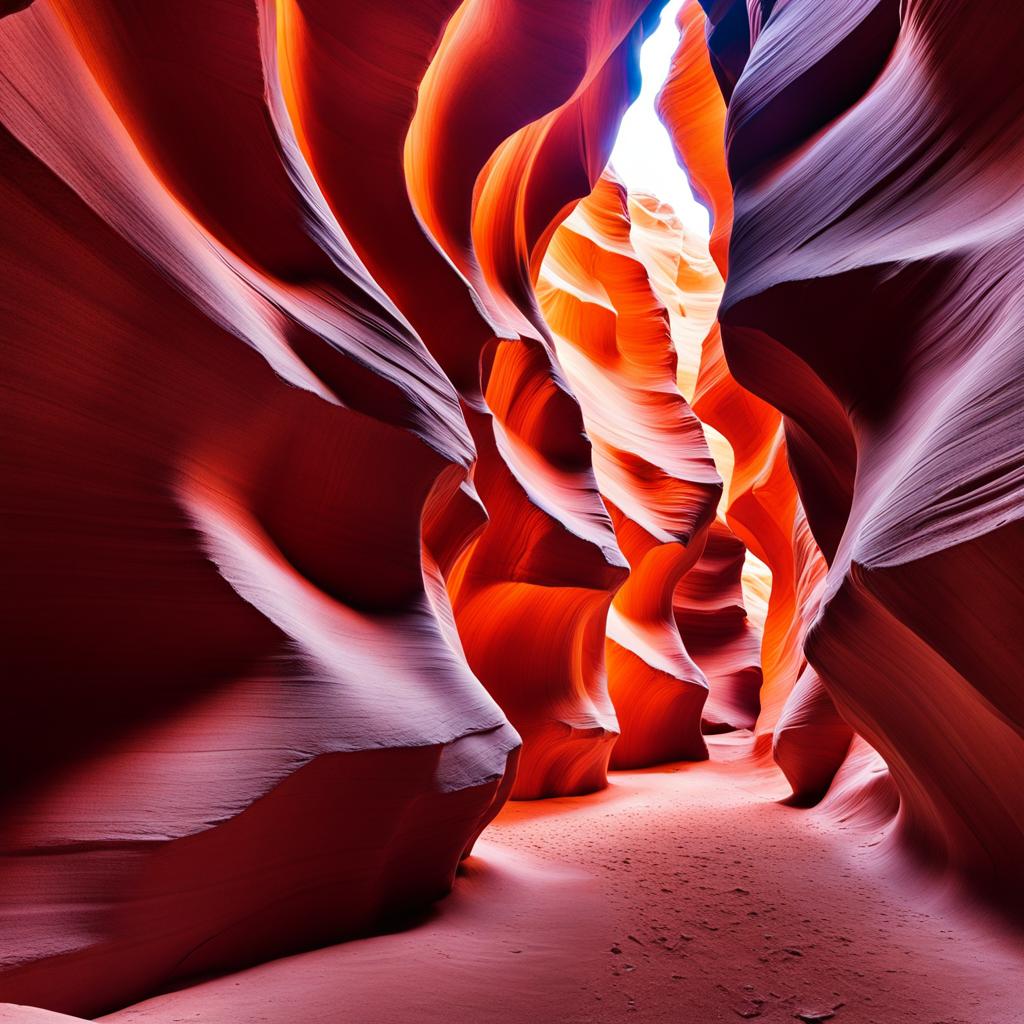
643,157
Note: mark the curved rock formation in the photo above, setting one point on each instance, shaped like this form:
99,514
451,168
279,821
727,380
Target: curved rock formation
262,391
651,462
532,595
762,506
711,602
342,463
486,181
710,612
876,157
533,462
222,647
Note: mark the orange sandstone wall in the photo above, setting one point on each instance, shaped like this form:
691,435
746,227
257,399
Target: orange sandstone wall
762,505
651,462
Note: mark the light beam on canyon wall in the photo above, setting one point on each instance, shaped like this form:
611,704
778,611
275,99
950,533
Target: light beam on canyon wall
372,455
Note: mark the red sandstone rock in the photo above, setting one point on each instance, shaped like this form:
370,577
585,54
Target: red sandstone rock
259,414
238,723
308,474
710,613
874,298
763,508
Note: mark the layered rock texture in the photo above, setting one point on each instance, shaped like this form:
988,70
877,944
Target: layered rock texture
652,465
303,510
358,475
874,299
762,506
237,706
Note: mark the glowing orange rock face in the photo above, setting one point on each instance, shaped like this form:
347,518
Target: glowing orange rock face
531,593
651,462
711,600
710,611
862,141
762,506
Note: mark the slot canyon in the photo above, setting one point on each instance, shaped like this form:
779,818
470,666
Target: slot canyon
464,565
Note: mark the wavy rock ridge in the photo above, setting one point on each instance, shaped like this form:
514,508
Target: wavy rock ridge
359,478
209,675
862,143
651,462
301,486
798,722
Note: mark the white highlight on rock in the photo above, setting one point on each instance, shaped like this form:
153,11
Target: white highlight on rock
643,158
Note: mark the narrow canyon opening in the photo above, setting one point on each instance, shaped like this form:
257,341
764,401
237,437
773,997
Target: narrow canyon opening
514,511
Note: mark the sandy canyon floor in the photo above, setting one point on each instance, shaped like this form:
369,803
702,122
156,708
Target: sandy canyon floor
682,894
